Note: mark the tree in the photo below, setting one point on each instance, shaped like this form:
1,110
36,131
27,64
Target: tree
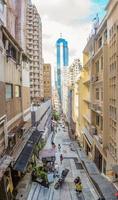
56,116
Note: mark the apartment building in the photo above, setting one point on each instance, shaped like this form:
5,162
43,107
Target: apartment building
97,90
47,81
15,116
34,51
72,95
99,97
55,101
65,81
104,92
112,29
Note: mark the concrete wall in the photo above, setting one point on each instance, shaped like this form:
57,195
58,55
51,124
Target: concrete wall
38,112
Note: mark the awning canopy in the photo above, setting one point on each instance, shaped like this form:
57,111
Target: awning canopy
25,156
88,136
115,169
47,153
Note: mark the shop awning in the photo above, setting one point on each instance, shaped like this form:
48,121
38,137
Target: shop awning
88,136
47,153
115,169
26,154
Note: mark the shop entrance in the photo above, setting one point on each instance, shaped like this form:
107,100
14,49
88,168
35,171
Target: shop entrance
98,159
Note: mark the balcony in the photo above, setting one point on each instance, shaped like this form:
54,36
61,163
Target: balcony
97,78
87,117
87,82
36,77
87,64
99,139
36,70
87,100
98,51
97,108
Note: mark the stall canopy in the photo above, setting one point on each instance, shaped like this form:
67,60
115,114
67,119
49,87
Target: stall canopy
25,156
47,154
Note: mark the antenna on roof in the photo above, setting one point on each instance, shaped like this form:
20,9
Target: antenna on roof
60,35
96,23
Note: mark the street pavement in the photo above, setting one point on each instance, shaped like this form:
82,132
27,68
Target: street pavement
73,163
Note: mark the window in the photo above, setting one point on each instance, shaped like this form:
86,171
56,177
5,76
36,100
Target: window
12,52
1,6
102,63
97,67
100,42
97,120
9,91
105,35
97,93
102,124
17,91
102,94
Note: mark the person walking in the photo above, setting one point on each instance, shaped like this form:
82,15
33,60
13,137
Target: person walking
59,147
61,158
78,187
53,145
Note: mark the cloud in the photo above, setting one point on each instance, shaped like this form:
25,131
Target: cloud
66,12
72,18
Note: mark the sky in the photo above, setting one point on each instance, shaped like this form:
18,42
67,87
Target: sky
72,18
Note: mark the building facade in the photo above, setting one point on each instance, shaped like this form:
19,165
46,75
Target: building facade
47,81
74,71
55,101
97,91
15,112
34,51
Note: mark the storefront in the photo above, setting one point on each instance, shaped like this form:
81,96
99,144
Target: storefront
87,142
98,159
6,185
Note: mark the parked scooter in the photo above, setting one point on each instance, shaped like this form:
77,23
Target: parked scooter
61,180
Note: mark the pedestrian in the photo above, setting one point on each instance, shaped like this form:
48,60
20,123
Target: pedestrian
78,187
61,158
53,145
77,180
59,147
56,170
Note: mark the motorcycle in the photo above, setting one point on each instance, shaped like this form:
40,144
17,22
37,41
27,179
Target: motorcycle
61,180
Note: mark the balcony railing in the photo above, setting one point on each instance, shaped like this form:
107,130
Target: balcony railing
98,77
96,107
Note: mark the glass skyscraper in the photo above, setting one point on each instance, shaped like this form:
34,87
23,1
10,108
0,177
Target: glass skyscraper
62,61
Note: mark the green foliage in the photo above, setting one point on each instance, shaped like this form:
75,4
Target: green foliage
40,173
40,145
56,116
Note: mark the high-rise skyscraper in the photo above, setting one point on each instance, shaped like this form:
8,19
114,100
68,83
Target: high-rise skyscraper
62,61
34,51
47,81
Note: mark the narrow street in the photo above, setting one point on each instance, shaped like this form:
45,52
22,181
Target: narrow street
73,163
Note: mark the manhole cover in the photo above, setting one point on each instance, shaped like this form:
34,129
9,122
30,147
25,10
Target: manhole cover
78,165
